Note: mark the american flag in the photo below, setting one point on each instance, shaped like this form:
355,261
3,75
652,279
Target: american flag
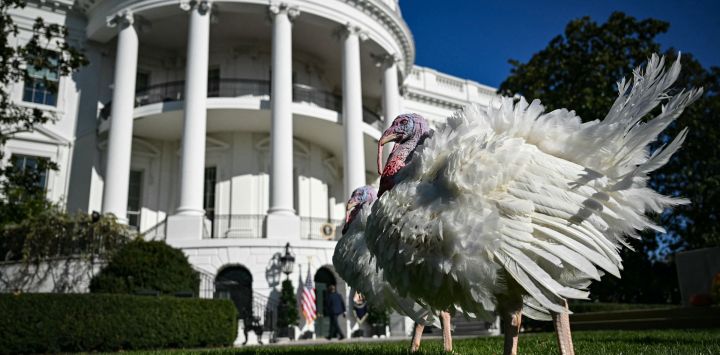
308,299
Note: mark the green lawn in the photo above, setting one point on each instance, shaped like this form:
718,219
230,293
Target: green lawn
680,342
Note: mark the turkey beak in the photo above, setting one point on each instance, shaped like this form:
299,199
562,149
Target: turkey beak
387,137
348,210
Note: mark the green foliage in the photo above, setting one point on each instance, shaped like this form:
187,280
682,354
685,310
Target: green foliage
15,60
590,307
141,265
287,310
655,342
578,70
52,233
378,316
52,323
23,196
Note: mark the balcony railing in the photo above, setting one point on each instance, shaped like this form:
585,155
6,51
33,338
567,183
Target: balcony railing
226,87
238,226
252,226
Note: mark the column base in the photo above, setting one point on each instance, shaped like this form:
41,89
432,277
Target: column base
185,227
282,226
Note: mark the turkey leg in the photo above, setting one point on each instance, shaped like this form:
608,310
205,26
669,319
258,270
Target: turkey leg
417,335
511,320
561,321
447,337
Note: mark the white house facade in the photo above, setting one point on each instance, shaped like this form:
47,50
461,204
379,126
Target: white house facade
229,128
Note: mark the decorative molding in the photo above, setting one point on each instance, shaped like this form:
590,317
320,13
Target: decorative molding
203,6
433,100
299,147
392,21
385,60
283,8
350,28
121,19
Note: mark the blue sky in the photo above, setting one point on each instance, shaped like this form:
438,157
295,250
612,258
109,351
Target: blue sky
474,39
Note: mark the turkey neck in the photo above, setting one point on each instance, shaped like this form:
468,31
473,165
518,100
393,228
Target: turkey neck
400,157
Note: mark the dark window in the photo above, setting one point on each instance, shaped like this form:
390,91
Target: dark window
213,82
209,193
142,80
134,198
41,85
29,163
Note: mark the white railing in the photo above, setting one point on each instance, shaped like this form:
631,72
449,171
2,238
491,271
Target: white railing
459,91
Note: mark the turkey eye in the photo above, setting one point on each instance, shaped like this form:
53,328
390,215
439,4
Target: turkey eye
403,122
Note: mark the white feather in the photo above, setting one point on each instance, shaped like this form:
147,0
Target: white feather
540,196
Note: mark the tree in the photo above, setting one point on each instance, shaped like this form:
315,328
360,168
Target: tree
146,266
47,51
578,70
287,309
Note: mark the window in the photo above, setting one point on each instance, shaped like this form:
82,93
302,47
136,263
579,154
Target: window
32,164
41,85
142,84
142,80
209,193
134,198
213,82
209,197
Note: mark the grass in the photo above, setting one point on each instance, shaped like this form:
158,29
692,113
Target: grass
660,342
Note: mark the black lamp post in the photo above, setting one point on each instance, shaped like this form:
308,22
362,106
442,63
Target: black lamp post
287,261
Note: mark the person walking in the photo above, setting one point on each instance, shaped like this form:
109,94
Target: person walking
334,306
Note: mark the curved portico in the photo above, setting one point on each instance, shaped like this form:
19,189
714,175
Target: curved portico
297,71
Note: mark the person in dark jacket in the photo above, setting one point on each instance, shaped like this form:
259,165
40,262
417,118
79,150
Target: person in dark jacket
334,306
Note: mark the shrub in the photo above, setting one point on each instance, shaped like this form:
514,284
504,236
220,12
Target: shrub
38,323
141,265
287,309
52,233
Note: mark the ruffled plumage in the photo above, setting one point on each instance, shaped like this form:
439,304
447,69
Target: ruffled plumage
354,263
541,198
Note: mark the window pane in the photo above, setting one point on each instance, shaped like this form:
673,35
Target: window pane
142,81
134,198
36,91
35,88
209,193
27,163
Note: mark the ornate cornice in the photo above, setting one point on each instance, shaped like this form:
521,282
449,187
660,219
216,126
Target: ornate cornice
203,6
385,60
122,18
415,96
392,21
277,8
351,29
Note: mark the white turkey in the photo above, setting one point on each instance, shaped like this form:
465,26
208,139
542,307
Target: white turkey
354,263
512,210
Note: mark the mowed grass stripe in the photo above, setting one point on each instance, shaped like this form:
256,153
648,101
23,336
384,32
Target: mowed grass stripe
650,342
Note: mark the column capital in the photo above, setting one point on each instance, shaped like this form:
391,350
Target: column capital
283,8
351,29
203,6
385,60
121,19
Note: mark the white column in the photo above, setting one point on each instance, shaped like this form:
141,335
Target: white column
391,91
354,153
117,171
282,222
190,216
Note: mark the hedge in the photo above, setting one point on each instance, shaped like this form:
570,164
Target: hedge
39,323
141,265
